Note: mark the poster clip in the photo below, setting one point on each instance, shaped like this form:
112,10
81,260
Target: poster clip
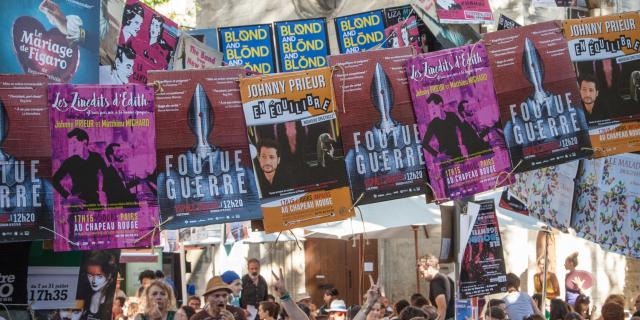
508,177
435,197
153,231
158,87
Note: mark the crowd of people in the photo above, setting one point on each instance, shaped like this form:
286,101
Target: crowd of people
231,297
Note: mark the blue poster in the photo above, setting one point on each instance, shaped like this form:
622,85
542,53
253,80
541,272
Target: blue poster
359,32
302,44
248,46
58,38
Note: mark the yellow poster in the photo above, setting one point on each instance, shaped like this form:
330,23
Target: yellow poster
298,158
606,54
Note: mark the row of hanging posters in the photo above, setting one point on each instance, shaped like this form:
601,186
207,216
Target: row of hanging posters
85,223
304,44
59,285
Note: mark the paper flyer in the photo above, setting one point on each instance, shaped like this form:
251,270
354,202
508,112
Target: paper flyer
103,164
193,54
383,153
458,121
464,11
204,164
292,125
544,122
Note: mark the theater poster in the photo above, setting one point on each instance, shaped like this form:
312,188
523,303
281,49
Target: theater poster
606,54
60,39
585,205
302,44
542,116
483,270
403,28
464,11
103,165
147,42
379,131
194,54
26,204
205,171
360,32
299,158
458,120
248,46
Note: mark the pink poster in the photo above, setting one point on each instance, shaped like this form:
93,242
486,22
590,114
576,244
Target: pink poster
464,11
458,120
147,42
103,164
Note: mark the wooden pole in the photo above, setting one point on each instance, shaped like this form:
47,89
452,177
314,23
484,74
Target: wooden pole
415,246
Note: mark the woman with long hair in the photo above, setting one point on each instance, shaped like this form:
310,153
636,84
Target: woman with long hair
158,302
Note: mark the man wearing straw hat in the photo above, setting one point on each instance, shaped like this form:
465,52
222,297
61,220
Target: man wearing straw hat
216,297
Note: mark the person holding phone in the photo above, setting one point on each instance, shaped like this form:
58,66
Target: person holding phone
216,297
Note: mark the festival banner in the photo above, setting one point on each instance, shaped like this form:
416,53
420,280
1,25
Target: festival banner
547,193
360,32
26,205
300,160
58,39
544,122
302,44
464,11
103,164
193,54
205,170
248,46
483,271
606,54
147,42
458,119
447,35
505,23
97,283
111,12
13,275
380,136
403,28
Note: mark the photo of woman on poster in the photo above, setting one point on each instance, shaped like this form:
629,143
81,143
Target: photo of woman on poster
97,283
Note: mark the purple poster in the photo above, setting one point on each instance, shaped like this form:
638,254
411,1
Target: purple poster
103,160
458,120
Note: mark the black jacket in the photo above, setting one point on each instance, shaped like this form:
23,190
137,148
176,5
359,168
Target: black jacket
252,294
